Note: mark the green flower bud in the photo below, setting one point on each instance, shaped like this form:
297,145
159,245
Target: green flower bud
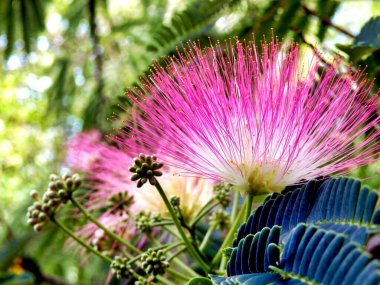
222,194
51,194
53,177
66,176
38,227
63,194
53,186
121,268
69,184
221,219
34,194
175,201
143,222
154,262
145,168
32,221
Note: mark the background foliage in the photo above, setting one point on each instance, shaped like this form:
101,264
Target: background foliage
65,64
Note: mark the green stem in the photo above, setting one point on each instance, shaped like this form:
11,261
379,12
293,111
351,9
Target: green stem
186,268
235,206
101,226
170,231
177,223
249,206
178,274
174,245
207,237
223,264
165,281
175,254
230,235
79,240
165,246
203,212
177,261
163,223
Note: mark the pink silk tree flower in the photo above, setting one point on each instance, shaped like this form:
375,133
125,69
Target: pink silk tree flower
106,170
121,225
257,120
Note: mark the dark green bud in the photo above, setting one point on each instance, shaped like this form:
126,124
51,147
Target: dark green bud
154,262
66,176
53,186
53,177
37,227
145,168
135,177
121,268
46,208
69,184
175,201
60,185
63,194
32,222
143,222
220,219
222,194
34,194
77,183
42,216
51,194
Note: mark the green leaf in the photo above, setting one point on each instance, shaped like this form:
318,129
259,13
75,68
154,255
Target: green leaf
365,43
369,34
341,205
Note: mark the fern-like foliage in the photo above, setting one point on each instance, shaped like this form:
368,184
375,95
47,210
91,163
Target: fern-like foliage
21,17
255,253
311,255
197,19
336,204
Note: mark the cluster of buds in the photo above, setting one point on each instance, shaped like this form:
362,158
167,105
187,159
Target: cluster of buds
220,219
121,268
144,221
145,168
222,194
154,262
119,202
175,201
142,281
59,191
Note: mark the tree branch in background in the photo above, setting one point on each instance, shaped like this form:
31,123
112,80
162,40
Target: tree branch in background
327,21
98,100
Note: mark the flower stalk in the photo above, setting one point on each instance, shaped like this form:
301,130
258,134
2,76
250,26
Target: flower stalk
207,237
230,235
79,240
177,223
101,226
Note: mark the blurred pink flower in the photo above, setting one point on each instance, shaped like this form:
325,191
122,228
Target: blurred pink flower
106,169
257,121
121,225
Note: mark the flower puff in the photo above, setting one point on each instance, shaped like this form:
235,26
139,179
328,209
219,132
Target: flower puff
121,225
257,120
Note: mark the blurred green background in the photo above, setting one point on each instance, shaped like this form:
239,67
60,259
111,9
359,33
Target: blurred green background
65,66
